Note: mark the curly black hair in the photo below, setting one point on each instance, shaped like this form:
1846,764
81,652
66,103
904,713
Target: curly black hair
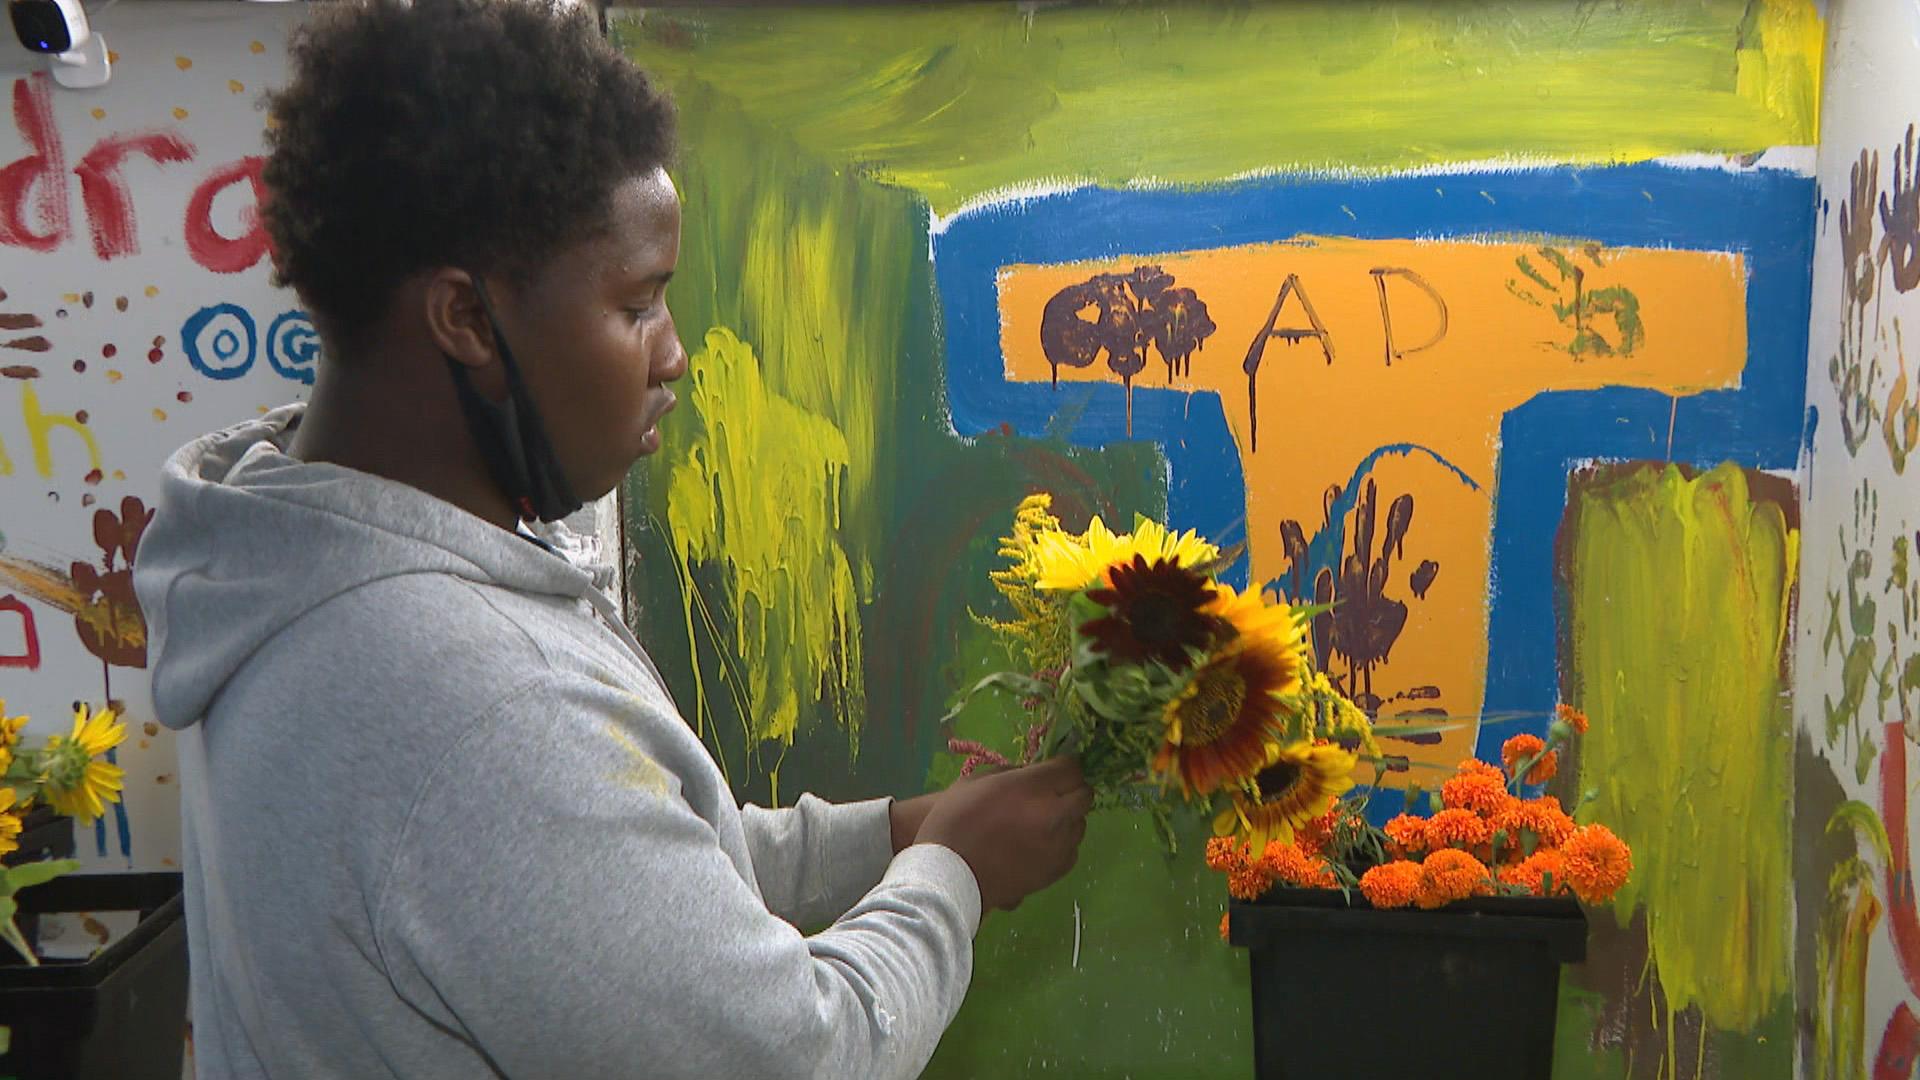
485,134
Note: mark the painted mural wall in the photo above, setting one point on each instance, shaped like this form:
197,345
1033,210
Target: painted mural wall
135,314
1487,321
1857,653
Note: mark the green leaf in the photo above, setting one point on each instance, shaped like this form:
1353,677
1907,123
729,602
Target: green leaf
38,873
1404,730
6,1038
1529,840
1011,682
1307,612
1083,609
8,906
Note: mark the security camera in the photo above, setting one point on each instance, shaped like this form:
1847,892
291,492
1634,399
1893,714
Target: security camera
58,29
49,26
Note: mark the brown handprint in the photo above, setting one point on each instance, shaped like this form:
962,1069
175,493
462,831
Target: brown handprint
1122,316
109,620
1859,267
1900,418
1900,216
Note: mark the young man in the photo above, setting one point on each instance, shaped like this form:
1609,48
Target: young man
442,818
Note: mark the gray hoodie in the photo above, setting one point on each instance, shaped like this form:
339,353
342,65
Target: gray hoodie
443,820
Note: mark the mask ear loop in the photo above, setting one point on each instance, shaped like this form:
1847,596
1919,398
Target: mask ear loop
512,440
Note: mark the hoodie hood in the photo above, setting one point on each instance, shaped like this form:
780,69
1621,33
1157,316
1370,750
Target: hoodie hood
247,539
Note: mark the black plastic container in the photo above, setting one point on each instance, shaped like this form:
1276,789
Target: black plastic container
121,1015
1343,990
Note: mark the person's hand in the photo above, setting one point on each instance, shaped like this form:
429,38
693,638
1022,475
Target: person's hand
1018,829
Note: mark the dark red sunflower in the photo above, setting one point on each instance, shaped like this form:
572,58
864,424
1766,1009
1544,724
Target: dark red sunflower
1154,613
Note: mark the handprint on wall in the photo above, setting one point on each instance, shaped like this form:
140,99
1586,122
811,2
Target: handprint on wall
1853,621
108,620
1120,316
1366,621
1578,305
1860,264
1854,369
1900,216
1900,418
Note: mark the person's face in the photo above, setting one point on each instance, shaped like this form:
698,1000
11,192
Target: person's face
595,341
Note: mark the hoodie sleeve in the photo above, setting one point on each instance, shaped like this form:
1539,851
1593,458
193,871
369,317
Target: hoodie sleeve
817,859
555,899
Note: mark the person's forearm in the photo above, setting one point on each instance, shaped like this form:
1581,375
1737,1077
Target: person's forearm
906,815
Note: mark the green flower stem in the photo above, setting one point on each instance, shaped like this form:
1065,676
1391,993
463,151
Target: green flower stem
15,938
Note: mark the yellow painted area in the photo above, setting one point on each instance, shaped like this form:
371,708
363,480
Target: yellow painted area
1778,67
956,101
1319,419
1677,588
39,424
758,495
43,583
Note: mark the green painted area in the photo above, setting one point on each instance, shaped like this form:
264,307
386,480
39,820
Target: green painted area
957,100
805,554
916,545
1679,595
1574,1055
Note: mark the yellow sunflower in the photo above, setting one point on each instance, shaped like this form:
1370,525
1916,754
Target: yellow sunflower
1218,726
10,729
1298,784
77,784
1064,561
1251,615
9,823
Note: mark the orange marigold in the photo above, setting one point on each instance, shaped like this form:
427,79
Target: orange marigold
1408,833
1531,873
1474,765
1224,853
1317,835
1483,793
1573,718
1451,875
1249,882
1286,862
1391,885
1518,749
1456,827
1226,918
1543,818
1597,863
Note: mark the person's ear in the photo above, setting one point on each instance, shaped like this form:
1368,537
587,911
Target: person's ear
456,319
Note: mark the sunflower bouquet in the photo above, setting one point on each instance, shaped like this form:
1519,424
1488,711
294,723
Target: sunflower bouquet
1132,654
1490,832
69,773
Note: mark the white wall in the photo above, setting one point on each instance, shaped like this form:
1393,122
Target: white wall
127,226
128,243
1859,617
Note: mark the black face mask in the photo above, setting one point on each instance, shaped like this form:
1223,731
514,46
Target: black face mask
511,437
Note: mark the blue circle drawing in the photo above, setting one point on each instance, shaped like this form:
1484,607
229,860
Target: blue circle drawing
293,346
220,341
